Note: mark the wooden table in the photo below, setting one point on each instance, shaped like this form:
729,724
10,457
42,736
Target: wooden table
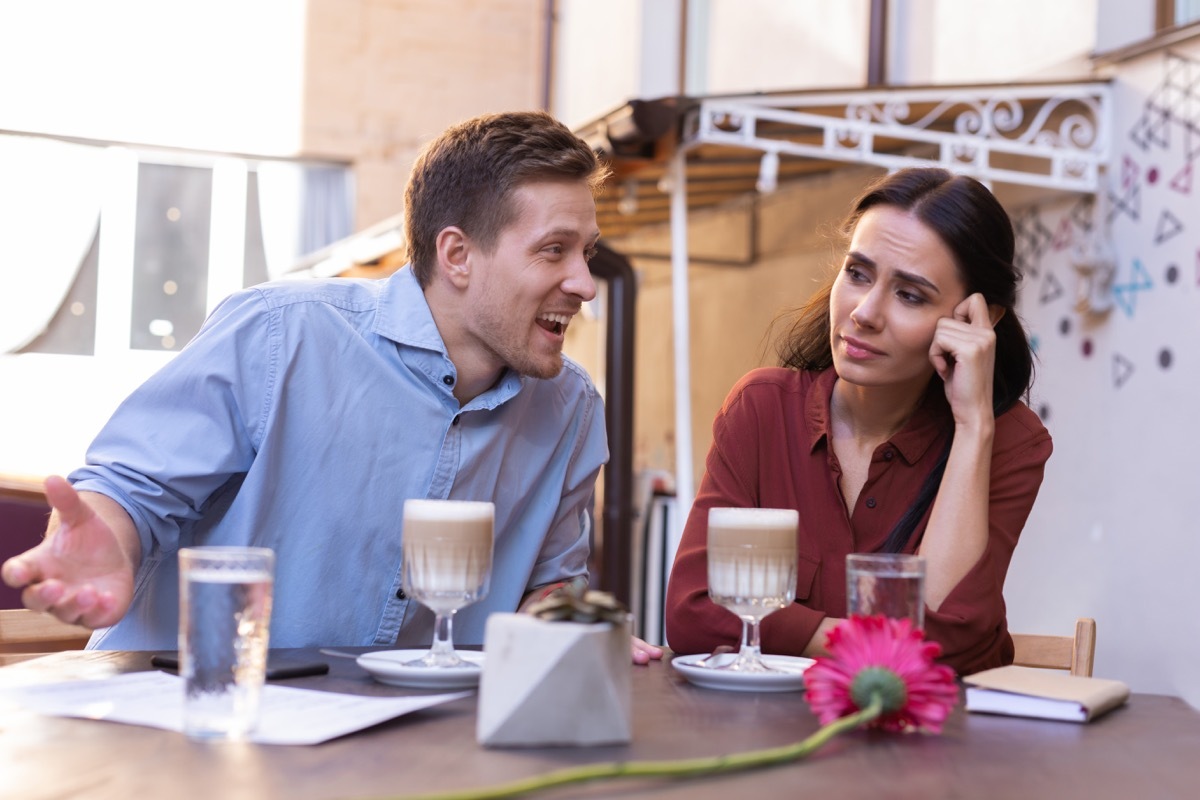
1147,750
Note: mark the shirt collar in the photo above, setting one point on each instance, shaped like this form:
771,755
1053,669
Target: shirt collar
924,428
405,318
404,315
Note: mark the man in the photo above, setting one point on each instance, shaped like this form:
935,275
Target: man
303,414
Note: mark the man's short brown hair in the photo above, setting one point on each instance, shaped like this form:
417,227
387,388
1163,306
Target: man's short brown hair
466,178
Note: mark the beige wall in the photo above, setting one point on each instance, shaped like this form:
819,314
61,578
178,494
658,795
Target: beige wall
382,77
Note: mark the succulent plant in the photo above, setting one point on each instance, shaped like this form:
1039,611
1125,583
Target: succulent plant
574,602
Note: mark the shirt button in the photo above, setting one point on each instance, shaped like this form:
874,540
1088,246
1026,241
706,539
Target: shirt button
400,595
870,502
888,455
448,380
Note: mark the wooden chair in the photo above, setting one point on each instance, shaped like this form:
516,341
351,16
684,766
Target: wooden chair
25,631
1075,653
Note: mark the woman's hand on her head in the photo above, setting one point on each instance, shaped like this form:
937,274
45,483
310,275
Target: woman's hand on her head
964,355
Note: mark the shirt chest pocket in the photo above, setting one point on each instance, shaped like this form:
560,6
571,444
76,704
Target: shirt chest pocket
806,576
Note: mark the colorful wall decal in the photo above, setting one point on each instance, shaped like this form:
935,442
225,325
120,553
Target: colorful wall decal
1130,172
1064,235
1174,102
1153,128
1129,203
1051,289
1122,370
1032,237
1082,212
1182,182
1099,250
1168,226
1125,294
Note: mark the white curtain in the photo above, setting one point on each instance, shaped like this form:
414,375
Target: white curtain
49,210
280,188
303,208
328,200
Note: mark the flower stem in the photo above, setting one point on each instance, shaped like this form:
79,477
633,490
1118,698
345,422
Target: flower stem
682,768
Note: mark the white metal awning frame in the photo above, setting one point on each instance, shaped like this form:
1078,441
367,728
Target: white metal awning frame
1048,136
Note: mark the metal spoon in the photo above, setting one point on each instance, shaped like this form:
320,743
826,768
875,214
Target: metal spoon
720,650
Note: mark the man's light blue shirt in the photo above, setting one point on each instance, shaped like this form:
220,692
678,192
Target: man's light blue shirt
301,418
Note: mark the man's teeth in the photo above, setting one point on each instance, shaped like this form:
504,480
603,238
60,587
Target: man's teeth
559,321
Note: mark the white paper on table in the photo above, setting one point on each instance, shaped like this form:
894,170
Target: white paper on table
155,699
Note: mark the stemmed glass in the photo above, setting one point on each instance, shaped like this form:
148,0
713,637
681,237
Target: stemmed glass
751,571
447,555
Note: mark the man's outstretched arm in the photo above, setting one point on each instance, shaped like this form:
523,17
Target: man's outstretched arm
83,570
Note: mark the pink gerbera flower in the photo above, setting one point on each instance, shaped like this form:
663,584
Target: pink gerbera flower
888,657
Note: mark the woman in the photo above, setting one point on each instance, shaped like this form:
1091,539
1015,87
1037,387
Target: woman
895,425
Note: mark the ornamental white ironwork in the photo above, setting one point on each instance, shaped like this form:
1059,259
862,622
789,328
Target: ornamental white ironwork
1052,136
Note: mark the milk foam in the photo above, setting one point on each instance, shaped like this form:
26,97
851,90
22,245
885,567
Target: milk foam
439,510
753,517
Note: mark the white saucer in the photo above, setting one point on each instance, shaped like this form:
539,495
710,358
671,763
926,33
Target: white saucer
387,666
789,679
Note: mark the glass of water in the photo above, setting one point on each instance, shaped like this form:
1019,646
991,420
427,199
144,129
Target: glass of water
886,584
224,621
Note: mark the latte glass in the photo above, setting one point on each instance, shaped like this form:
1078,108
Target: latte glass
751,571
447,555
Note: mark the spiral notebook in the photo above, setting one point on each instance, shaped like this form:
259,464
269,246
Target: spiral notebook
1042,693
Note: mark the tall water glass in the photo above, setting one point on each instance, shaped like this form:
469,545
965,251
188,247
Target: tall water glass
886,584
224,622
447,553
751,571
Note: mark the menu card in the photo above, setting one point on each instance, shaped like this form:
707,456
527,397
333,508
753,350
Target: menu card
288,716
1042,693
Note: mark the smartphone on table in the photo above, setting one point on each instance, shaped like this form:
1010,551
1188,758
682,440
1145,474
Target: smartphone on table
276,670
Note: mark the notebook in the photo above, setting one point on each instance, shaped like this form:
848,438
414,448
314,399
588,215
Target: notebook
1042,693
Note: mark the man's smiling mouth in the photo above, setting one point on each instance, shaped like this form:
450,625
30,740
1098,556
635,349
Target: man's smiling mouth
555,323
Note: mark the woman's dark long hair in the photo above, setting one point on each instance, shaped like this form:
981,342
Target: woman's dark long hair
977,231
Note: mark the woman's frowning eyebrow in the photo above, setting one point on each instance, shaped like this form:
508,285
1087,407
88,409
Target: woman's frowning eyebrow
860,258
904,275
911,277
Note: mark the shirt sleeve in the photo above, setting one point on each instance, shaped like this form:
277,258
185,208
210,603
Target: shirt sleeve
565,551
181,436
694,624
970,624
